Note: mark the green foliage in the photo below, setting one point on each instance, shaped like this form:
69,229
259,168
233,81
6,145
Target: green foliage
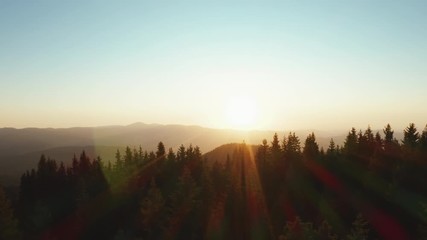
151,210
299,230
359,230
8,222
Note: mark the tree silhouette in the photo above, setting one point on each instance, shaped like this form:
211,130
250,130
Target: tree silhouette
160,151
331,151
410,136
292,149
311,148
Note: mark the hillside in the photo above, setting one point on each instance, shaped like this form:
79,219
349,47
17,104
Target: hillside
220,153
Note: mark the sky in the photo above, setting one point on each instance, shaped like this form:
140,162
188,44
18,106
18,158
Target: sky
324,65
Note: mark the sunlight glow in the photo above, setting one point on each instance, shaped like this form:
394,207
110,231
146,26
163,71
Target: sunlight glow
242,113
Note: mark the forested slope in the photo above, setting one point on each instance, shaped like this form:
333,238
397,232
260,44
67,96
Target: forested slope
370,187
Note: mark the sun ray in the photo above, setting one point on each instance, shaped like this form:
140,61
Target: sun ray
255,194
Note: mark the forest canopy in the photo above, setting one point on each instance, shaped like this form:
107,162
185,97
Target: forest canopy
373,186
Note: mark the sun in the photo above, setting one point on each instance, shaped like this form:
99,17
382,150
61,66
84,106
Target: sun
242,112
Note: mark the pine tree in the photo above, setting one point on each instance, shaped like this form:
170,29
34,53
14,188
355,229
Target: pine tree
190,153
262,153
292,149
331,148
391,145
351,143
152,207
369,135
181,156
275,149
75,165
128,159
378,142
118,165
160,154
388,134
171,157
410,137
183,201
423,140
84,164
197,153
311,148
8,222
370,142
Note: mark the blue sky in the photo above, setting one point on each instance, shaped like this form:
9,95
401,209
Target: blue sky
298,64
